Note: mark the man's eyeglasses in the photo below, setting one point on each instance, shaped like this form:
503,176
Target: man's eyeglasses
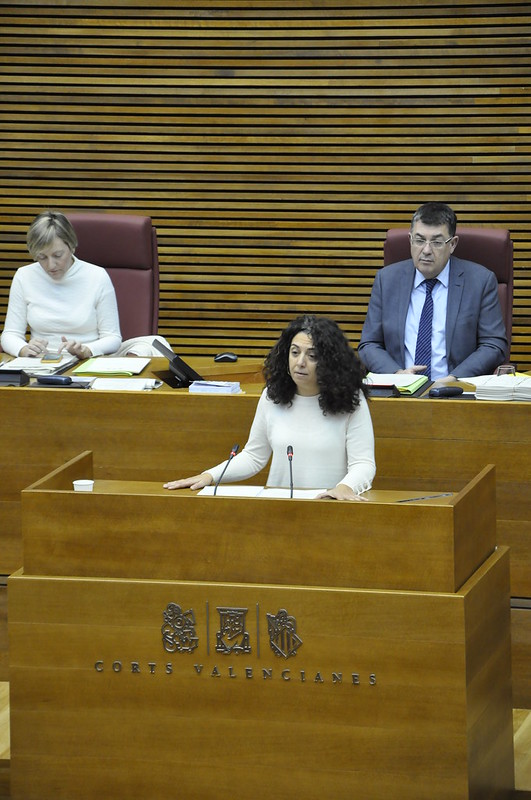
435,244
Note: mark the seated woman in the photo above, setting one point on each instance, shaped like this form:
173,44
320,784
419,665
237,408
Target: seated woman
66,303
314,401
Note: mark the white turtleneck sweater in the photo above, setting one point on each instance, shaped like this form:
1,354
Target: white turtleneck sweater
327,448
82,306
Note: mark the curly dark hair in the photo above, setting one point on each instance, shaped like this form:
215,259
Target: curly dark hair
338,369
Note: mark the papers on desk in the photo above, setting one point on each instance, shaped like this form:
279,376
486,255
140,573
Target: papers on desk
501,387
260,491
214,387
34,366
125,384
404,382
107,365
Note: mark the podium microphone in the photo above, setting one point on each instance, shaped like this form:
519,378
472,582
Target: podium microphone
233,452
289,452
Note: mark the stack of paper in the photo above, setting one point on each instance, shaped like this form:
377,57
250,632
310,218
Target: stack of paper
501,387
522,390
404,382
107,365
214,387
497,387
34,366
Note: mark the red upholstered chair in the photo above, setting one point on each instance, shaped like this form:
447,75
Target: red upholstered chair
126,245
491,247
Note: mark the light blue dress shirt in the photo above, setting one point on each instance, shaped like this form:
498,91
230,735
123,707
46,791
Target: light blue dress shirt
439,365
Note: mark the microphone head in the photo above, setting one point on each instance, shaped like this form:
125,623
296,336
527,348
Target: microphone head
289,451
234,450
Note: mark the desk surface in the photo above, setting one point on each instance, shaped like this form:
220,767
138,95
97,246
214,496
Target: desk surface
246,370
390,496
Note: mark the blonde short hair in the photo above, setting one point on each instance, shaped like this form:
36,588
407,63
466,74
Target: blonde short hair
45,227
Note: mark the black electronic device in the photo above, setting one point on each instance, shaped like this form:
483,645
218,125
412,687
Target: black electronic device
183,372
13,377
226,358
446,391
54,380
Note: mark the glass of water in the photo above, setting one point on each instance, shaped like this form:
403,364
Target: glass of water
506,369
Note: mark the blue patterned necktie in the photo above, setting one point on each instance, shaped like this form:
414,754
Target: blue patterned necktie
423,348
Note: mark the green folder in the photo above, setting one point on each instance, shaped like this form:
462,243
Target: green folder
107,365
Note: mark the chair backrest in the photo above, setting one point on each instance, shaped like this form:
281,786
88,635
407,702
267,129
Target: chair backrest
491,247
126,245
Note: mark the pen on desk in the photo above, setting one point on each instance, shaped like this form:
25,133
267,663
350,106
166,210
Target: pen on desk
425,497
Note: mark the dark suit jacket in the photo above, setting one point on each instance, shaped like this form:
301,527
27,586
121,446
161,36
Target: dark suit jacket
476,341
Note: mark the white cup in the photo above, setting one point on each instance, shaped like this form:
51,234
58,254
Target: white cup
83,485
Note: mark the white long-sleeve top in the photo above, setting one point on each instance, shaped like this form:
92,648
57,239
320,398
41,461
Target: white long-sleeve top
81,306
327,448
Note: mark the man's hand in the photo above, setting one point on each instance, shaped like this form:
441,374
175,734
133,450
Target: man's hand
412,370
444,381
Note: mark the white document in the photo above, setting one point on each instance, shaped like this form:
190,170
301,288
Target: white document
214,387
232,491
401,380
478,380
125,384
228,490
298,494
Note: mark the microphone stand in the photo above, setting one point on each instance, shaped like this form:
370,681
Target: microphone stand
232,454
289,452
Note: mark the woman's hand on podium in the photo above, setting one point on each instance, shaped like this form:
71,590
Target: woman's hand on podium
195,482
341,492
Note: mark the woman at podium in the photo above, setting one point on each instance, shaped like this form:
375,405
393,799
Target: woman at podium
313,412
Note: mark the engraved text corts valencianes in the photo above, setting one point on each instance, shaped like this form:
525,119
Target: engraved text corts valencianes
233,638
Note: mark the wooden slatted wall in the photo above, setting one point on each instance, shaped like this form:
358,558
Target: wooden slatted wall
272,142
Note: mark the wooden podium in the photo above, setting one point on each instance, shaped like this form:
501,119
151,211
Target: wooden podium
165,645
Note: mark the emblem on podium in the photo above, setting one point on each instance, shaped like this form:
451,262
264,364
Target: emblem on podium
178,629
283,638
232,636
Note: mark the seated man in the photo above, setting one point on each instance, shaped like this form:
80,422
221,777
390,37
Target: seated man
434,314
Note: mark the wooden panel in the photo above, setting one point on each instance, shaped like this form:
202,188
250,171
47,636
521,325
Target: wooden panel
122,526
487,617
11,534
272,144
436,717
445,442
4,660
521,656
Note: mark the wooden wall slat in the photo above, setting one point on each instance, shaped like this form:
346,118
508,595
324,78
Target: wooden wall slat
272,143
